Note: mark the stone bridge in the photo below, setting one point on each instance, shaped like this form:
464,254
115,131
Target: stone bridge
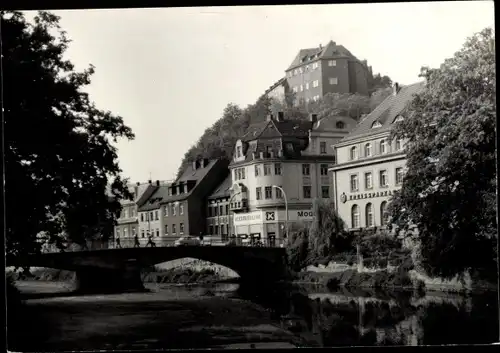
116,270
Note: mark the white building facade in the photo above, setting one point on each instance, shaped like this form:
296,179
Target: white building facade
370,167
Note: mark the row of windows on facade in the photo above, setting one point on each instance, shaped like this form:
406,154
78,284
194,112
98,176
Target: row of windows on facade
369,215
239,173
306,68
306,192
315,83
218,210
384,147
128,212
383,179
156,232
154,215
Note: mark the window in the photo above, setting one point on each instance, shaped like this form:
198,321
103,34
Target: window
227,209
279,193
156,215
181,209
125,231
267,169
355,216
181,228
399,176
306,169
151,216
133,231
133,212
210,230
376,124
399,144
368,150
333,80
322,147
258,193
384,215
216,211
315,65
339,125
301,88
295,72
307,85
353,153
316,98
332,62
315,83
221,210
368,180
354,183
383,146
295,89
289,147
166,229
142,217
157,232
325,191
238,151
173,210
384,182
323,169
268,192
277,168
306,189
369,215
242,173
118,232
142,233
398,119
166,211
257,170
174,229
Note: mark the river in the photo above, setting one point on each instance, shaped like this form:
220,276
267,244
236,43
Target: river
236,316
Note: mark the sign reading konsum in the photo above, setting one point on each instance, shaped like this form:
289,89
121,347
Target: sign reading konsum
248,218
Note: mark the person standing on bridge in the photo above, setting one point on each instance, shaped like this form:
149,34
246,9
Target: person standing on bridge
136,242
117,242
151,242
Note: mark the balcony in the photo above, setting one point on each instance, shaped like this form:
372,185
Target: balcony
239,205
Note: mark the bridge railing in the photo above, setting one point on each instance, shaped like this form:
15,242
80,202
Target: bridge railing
167,241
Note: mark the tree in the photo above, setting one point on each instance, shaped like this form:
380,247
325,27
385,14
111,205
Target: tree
449,191
58,157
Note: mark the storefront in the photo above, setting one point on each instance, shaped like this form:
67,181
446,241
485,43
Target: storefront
268,226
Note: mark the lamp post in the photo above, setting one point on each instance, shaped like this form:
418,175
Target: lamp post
286,207
229,215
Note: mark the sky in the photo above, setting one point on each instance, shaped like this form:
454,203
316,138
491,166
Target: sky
169,72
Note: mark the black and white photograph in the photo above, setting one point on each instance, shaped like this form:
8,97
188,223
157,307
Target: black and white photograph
250,177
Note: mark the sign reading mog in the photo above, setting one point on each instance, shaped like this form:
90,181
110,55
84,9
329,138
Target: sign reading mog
273,216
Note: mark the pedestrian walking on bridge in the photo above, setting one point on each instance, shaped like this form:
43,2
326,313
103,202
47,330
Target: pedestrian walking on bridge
151,242
136,242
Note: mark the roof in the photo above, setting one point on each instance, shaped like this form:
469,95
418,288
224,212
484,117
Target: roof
329,124
161,195
280,82
223,189
331,50
286,128
385,112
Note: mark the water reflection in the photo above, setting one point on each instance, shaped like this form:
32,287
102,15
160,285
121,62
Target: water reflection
353,318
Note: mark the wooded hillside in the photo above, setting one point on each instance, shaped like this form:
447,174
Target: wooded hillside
219,139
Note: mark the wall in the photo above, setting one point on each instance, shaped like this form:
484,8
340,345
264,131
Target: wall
169,219
308,76
343,186
154,225
341,71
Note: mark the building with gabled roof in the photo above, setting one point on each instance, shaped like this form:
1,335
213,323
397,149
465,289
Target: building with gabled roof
288,153
179,208
370,166
315,72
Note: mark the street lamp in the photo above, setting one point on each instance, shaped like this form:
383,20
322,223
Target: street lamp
286,206
229,215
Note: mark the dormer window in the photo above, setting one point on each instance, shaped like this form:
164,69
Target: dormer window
398,119
368,150
340,125
376,124
238,152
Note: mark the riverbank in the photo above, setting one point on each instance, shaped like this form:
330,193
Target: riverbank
174,319
397,279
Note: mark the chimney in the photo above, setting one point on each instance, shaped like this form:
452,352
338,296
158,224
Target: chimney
395,88
281,116
194,165
136,191
149,181
205,162
157,183
321,46
269,117
313,117
138,183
